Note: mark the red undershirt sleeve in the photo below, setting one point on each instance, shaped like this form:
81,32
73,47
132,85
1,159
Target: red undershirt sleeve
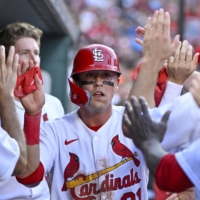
169,176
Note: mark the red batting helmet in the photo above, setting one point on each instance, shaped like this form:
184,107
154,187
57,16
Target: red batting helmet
89,58
95,57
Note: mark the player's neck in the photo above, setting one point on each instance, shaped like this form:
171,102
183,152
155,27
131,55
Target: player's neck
94,119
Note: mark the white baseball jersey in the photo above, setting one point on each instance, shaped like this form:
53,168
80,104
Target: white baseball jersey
172,91
92,165
10,188
189,161
182,128
104,164
9,155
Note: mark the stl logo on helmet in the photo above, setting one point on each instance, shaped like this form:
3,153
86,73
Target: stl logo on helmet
97,55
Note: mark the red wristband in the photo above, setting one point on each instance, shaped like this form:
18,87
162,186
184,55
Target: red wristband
33,178
32,128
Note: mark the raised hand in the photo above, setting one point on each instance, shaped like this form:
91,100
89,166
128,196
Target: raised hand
182,65
138,124
34,101
157,41
8,71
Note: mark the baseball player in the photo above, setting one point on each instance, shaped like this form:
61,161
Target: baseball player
12,145
26,39
90,156
160,163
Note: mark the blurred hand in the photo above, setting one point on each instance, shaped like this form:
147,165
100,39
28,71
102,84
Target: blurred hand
34,101
185,195
8,71
182,65
138,125
157,41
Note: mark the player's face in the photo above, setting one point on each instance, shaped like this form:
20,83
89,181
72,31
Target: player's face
101,85
28,49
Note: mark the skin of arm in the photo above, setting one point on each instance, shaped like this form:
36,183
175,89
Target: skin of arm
9,120
157,47
33,104
181,66
147,133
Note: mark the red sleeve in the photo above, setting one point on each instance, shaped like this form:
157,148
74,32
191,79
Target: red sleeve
161,83
169,176
33,179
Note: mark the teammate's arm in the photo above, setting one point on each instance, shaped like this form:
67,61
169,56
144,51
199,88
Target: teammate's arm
32,104
147,135
157,47
9,120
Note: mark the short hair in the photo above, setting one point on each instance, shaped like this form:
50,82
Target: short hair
14,31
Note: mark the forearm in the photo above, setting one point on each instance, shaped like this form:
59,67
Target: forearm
145,83
11,125
153,153
32,130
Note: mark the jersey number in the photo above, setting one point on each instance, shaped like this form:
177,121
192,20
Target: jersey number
131,195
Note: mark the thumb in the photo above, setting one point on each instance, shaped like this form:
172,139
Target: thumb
165,117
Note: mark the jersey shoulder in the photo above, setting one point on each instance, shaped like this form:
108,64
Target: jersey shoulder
118,109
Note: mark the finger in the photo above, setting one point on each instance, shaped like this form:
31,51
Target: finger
166,25
9,60
195,60
170,61
31,64
172,197
144,106
15,63
177,53
160,22
126,121
154,22
175,43
188,59
140,31
148,27
129,111
38,82
2,57
19,69
165,117
136,107
140,42
23,67
184,51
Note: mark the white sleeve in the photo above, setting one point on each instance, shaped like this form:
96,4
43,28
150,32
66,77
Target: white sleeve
48,146
182,126
9,154
172,91
189,161
52,107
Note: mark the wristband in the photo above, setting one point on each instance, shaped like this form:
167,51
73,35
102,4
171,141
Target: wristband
32,128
